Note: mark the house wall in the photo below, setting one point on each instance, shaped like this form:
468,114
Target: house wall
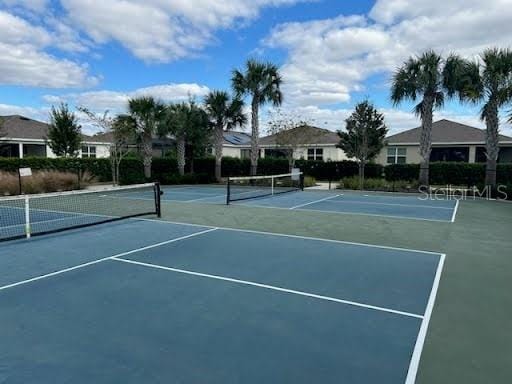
231,152
102,149
330,152
413,153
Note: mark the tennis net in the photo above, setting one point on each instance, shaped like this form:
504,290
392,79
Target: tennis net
252,187
31,215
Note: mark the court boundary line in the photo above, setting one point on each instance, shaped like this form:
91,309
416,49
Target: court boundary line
344,213
83,265
313,202
293,236
267,286
455,211
422,333
391,204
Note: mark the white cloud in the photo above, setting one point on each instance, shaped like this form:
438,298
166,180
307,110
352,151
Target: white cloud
23,65
162,30
16,30
329,59
40,114
99,101
32,5
23,60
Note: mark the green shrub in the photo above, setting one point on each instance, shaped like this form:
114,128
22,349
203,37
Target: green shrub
395,172
232,167
273,166
309,181
378,184
131,171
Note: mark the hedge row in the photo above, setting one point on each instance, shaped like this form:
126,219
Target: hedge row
449,173
165,170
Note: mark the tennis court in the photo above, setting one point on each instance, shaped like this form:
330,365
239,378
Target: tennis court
336,201
150,301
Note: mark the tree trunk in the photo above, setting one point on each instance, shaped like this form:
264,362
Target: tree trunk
180,149
426,139
491,143
147,150
118,179
113,165
361,175
218,152
255,136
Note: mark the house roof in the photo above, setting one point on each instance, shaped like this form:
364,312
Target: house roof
236,138
446,132
21,127
311,135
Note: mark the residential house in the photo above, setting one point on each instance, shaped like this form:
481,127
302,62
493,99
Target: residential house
23,137
451,141
236,144
308,142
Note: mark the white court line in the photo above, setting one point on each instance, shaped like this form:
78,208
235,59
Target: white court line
455,211
391,204
420,341
272,287
342,212
313,202
59,272
204,198
292,236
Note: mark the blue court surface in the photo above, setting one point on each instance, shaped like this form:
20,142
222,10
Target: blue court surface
386,205
145,301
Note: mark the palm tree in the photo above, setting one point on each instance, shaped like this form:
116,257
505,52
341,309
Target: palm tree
262,82
489,83
147,113
421,78
224,114
186,121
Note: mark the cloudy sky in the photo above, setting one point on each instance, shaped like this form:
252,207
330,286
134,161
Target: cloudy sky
332,53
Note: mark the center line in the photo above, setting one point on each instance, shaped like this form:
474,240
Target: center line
272,287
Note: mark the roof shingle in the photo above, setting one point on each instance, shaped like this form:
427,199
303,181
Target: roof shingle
314,136
445,131
21,127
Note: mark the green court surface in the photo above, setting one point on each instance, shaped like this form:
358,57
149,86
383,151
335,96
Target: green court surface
470,334
251,293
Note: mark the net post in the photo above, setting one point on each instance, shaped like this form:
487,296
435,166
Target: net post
301,178
228,192
158,200
27,217
272,182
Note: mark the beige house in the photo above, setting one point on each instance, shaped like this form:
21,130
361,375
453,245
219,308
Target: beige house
23,137
309,143
451,141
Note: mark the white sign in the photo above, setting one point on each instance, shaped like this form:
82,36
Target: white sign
295,173
25,172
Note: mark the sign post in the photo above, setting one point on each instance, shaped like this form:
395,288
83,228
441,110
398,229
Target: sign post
23,172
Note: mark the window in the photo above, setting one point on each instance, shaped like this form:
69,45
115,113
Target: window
315,154
276,153
450,154
88,151
480,156
396,155
246,153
